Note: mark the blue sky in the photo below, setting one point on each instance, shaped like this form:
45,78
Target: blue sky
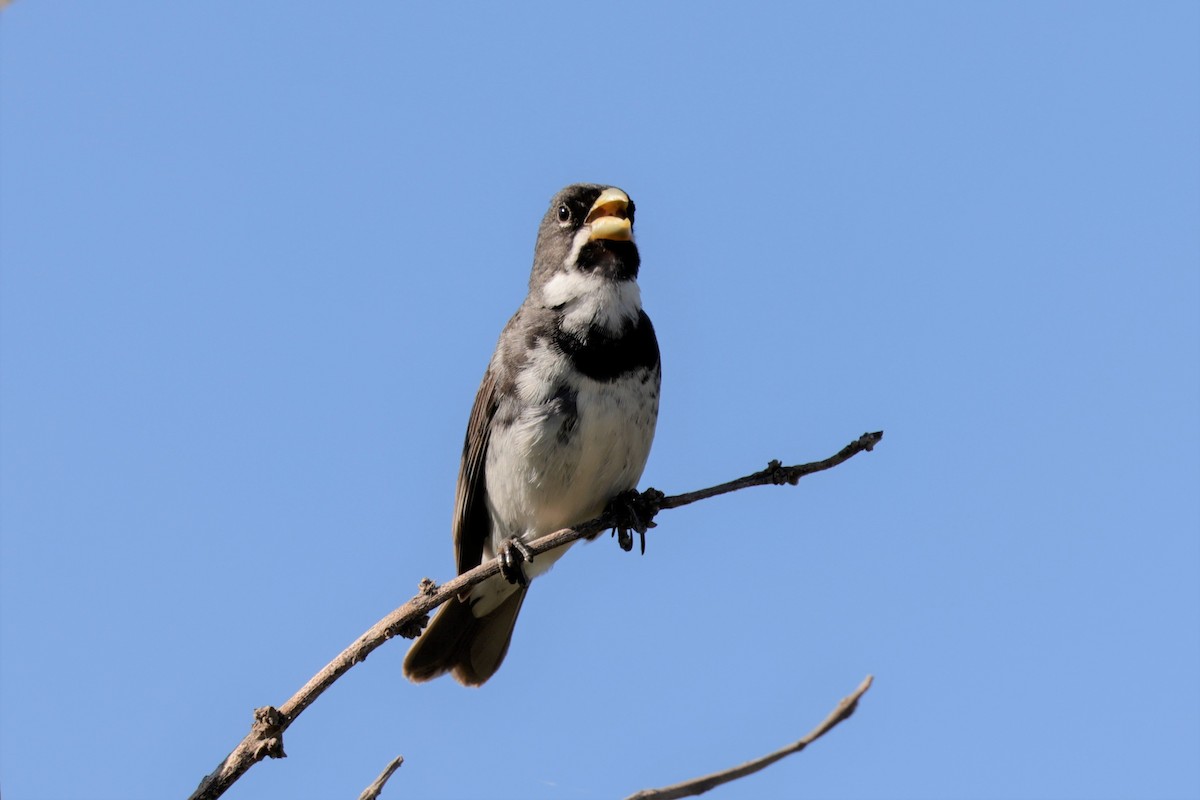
253,261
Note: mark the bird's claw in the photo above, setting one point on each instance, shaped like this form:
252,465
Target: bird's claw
513,553
633,512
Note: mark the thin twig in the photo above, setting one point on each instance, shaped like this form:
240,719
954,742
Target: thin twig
700,785
372,791
266,736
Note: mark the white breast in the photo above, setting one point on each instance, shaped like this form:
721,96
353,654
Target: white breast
541,477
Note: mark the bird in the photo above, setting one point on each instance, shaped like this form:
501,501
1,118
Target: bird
561,425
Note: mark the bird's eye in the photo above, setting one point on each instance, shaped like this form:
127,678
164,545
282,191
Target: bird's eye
564,213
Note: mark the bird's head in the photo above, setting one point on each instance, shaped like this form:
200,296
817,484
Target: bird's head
588,232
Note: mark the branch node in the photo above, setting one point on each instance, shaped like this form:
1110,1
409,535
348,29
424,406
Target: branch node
268,730
778,473
413,628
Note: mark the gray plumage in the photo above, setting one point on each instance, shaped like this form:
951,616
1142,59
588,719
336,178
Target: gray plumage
562,422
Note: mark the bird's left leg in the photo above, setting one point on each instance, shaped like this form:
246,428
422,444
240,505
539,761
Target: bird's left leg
512,554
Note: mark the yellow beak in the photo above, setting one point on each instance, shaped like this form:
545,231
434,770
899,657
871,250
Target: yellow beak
608,217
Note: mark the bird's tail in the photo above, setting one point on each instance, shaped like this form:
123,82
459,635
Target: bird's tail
468,647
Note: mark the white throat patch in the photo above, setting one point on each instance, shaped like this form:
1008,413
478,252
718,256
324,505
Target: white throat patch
592,301
589,300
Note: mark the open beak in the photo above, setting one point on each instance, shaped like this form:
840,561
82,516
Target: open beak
608,218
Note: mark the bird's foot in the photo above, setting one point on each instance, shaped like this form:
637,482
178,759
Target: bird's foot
513,553
633,512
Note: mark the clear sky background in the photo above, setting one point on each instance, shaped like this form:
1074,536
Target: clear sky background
256,257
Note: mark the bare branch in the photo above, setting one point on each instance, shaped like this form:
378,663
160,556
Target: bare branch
776,474
702,784
266,737
372,791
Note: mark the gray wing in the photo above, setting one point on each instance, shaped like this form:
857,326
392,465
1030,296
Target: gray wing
472,521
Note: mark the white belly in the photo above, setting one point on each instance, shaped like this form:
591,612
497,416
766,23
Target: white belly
542,476
540,479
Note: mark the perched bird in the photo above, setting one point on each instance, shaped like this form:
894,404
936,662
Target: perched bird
562,423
